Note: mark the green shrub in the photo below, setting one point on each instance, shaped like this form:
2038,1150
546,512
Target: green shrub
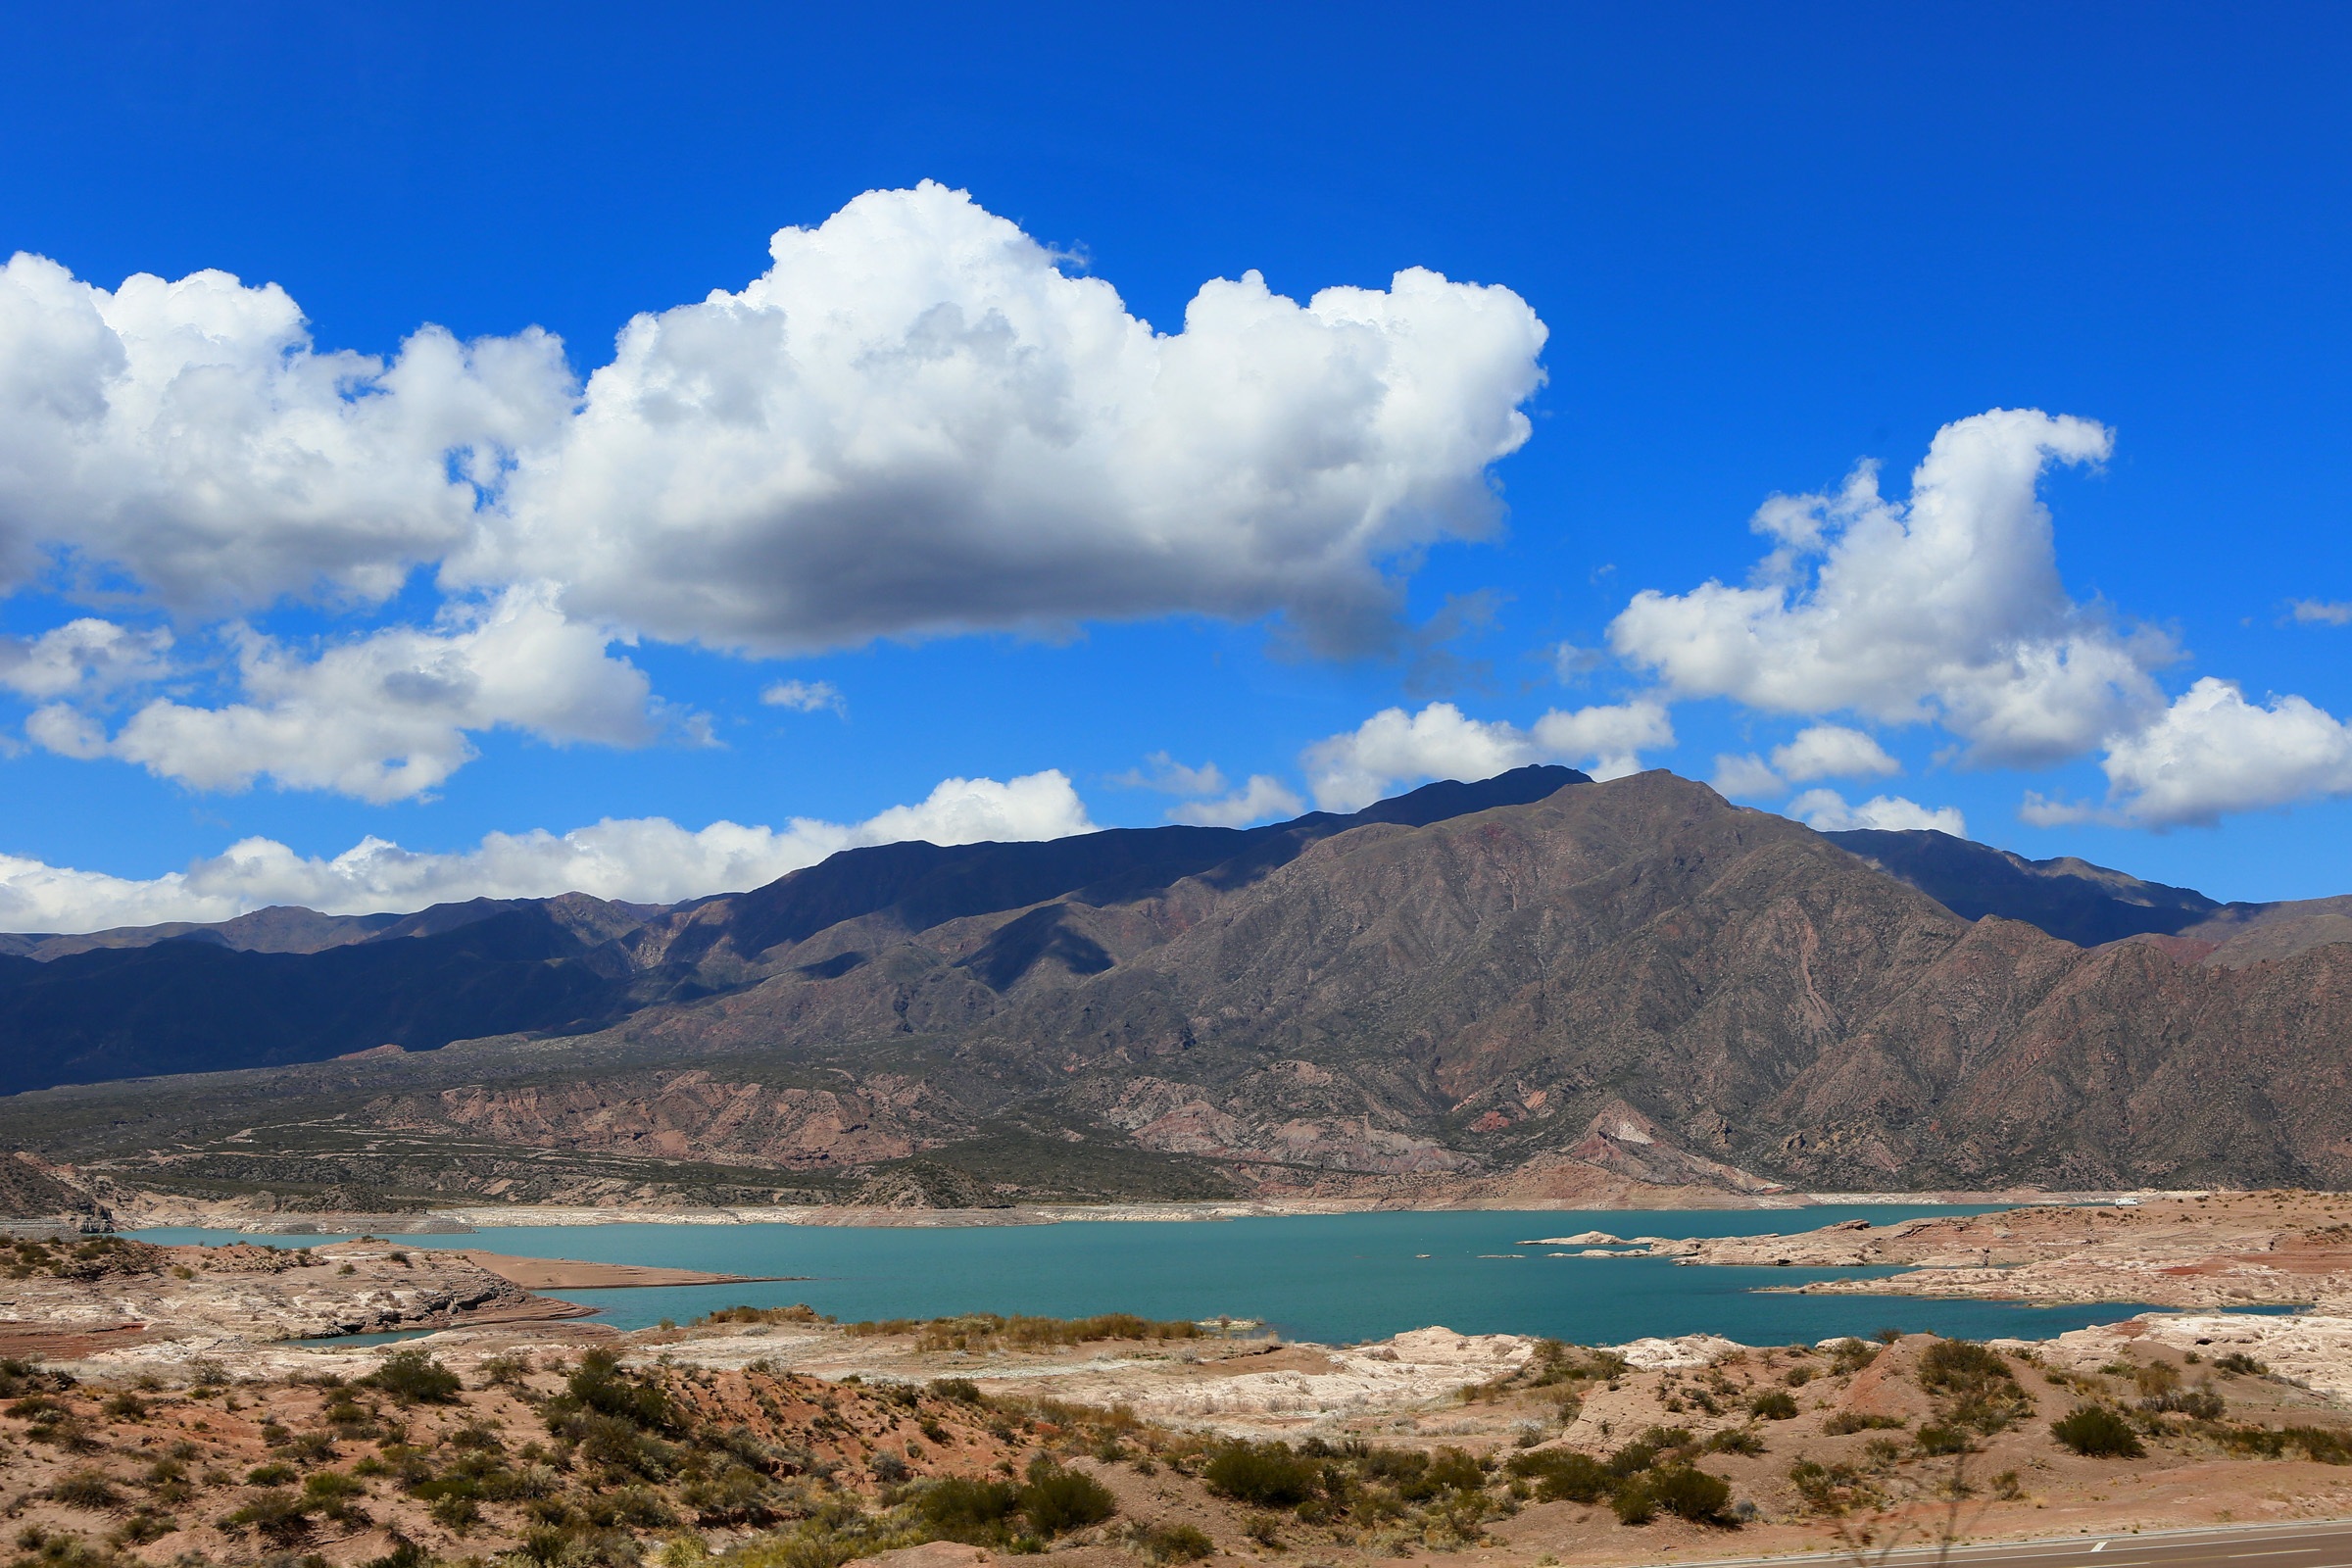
1645,1449
405,1554
1847,1422
84,1489
1056,1501
2099,1433
2324,1444
1959,1364
1690,1493
1562,1474
1175,1542
1266,1475
1774,1404
1941,1440
414,1377
960,1509
1850,1355
1632,1503
272,1474
2199,1404
2240,1362
961,1390
276,1514
1978,1388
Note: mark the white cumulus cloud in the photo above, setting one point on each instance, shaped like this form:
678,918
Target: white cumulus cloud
2213,752
1606,739
1947,606
1348,772
1827,812
644,861
386,717
2323,612
1833,751
187,434
918,423
83,658
1748,775
1263,799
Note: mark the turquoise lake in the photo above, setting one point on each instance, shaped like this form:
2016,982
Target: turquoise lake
1334,1278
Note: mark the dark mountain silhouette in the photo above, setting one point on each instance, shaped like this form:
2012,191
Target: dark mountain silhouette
2069,899
286,986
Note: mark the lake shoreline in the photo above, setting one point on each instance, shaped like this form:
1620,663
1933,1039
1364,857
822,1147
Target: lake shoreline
457,1219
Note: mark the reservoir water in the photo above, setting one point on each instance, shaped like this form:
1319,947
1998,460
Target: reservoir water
1334,1278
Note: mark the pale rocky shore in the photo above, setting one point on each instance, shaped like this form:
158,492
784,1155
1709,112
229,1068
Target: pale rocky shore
155,1210
2201,1252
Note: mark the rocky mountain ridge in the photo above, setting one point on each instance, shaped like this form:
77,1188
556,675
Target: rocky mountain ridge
1636,977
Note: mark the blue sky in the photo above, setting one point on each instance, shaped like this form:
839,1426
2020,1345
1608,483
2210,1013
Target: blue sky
1763,244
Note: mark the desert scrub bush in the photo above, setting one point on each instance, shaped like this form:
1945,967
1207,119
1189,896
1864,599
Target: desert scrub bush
2322,1443
964,1391
1562,1474
1060,1501
2200,1404
958,1509
414,1377
798,1312
1631,1501
1734,1439
1975,1385
1835,1490
275,1513
1773,1404
1848,1422
1690,1493
2241,1363
84,1489
1172,1542
1850,1355
978,1331
1644,1450
144,1525
2099,1433
456,1513
1265,1475
1940,1441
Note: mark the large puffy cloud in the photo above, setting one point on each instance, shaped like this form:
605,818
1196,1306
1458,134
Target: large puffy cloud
1945,607
917,421
187,435
1818,751
1351,770
1262,799
649,860
1827,812
2212,752
386,717
87,656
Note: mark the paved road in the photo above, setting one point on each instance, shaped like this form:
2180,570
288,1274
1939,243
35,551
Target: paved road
2297,1546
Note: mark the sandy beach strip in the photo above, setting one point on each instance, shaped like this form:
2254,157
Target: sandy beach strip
565,1274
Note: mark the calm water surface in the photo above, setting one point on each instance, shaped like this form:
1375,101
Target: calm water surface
1335,1278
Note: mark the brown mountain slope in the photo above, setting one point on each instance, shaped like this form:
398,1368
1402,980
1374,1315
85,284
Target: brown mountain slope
1633,975
1470,994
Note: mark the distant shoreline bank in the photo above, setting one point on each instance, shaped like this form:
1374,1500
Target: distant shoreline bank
457,1219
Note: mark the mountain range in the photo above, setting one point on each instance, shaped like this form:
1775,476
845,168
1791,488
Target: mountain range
1531,978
